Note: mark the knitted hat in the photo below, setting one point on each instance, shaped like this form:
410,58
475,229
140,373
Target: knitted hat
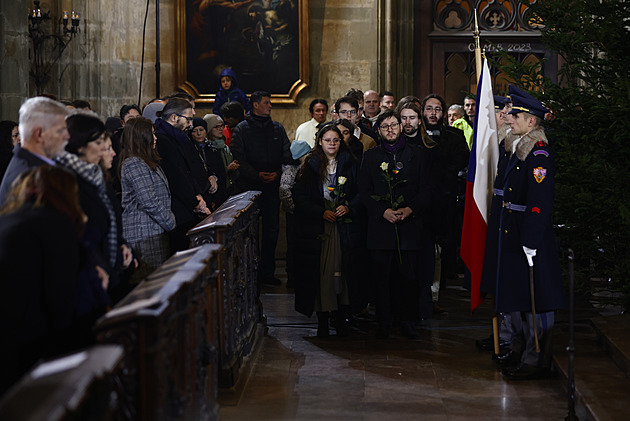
299,148
83,128
213,120
199,122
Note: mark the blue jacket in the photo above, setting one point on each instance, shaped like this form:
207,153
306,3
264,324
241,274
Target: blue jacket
234,94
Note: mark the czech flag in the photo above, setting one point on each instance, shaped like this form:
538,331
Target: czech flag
482,170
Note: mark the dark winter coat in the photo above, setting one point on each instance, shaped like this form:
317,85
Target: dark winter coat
21,161
417,192
449,156
525,179
179,159
260,144
309,210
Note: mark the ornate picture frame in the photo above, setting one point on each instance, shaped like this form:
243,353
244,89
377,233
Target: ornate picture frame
265,43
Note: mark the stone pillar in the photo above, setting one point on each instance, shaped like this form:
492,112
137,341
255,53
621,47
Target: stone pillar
395,47
14,53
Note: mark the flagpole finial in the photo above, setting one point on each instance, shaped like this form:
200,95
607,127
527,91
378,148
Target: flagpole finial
478,60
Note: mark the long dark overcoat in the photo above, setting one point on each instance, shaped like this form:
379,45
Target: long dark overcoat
521,216
417,192
309,210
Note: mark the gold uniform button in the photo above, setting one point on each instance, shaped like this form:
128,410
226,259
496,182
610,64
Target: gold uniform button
506,231
510,189
518,168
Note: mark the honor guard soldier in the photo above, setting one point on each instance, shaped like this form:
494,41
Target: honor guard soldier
521,266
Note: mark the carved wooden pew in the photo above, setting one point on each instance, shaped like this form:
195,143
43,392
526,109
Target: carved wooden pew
235,225
81,386
167,327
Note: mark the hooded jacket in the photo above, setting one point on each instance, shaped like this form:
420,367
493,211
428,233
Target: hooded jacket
234,94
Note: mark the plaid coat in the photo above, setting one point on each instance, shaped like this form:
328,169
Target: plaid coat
147,214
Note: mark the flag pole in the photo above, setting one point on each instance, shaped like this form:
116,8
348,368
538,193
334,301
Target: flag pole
478,61
478,67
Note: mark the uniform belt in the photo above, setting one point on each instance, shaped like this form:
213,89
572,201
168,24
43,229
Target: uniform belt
514,207
498,192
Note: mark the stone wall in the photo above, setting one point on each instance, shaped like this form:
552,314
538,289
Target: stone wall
102,64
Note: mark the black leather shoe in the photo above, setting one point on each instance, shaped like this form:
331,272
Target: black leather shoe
487,344
508,359
526,372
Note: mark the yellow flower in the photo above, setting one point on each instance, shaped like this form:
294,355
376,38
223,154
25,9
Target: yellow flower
384,166
341,180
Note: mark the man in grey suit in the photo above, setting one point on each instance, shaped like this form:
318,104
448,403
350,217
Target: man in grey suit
44,136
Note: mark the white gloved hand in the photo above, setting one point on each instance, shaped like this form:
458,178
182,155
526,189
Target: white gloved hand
529,253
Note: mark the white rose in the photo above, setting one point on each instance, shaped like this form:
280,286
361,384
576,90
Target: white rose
341,180
384,166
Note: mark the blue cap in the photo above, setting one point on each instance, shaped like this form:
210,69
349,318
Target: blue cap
500,102
299,148
524,102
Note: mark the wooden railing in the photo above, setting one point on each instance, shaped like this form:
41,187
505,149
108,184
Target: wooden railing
167,327
235,225
188,329
82,386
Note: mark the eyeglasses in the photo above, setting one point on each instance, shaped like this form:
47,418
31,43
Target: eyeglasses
333,141
188,119
348,112
431,109
219,126
392,126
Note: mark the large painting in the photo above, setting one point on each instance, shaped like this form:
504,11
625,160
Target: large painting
265,42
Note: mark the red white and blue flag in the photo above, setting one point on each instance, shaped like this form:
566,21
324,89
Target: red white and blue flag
482,169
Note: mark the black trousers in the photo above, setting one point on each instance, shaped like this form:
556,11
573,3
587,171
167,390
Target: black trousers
402,289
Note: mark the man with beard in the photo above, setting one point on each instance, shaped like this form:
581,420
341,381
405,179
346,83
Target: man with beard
398,237
449,156
412,124
179,161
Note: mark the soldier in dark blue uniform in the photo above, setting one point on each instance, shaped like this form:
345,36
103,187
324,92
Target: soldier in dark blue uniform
520,229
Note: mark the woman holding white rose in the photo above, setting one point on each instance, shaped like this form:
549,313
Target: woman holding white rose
327,209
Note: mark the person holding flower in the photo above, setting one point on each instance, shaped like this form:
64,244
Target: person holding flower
325,197
396,186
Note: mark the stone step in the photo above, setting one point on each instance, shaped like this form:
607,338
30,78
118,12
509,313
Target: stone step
602,389
614,336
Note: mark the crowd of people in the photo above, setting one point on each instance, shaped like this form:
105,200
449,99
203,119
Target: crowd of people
372,192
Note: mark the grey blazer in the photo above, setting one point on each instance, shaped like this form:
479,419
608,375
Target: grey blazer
146,200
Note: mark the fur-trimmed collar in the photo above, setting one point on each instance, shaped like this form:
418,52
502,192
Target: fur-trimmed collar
527,142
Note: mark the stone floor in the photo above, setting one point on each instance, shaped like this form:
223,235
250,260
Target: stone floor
441,376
